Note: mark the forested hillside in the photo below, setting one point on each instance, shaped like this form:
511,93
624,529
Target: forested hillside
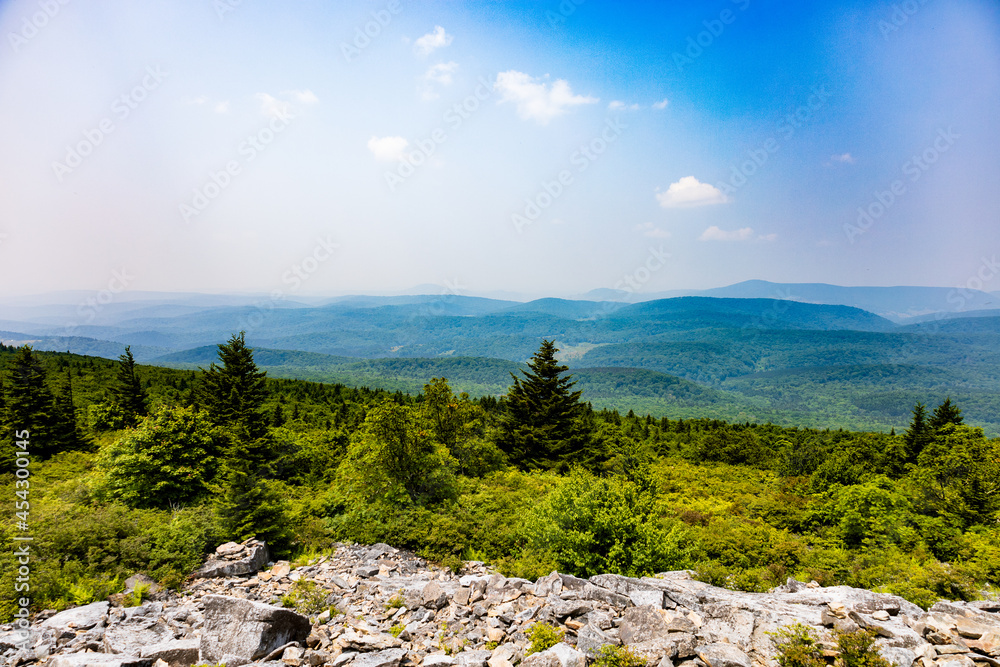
142,469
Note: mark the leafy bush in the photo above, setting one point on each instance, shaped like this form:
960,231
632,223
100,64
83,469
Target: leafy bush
543,636
797,646
610,655
306,597
858,649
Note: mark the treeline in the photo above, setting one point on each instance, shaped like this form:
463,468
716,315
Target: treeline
162,465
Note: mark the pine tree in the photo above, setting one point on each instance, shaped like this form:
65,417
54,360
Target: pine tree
946,413
541,426
918,435
233,393
128,391
249,506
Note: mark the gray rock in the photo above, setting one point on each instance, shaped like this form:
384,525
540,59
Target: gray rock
652,598
567,655
366,571
550,584
641,624
592,592
473,658
569,582
573,608
176,653
390,657
141,579
130,636
255,561
438,660
722,655
590,640
900,657
434,596
241,630
80,618
98,660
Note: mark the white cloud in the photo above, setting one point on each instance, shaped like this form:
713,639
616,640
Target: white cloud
440,74
713,233
432,41
196,101
618,105
388,148
302,96
845,158
272,107
768,237
222,107
690,192
662,104
535,99
652,231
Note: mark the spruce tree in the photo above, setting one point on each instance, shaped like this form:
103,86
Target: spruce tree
233,393
28,405
946,413
918,435
66,433
541,426
128,391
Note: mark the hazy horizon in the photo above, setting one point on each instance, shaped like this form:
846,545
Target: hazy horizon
541,149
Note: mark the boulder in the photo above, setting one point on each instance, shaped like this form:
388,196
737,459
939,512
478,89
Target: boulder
434,596
79,618
641,624
722,655
98,660
590,639
240,631
252,558
176,653
473,658
390,657
900,657
131,635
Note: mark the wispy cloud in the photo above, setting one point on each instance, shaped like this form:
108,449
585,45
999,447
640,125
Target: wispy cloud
272,107
689,192
713,233
535,99
652,231
432,41
302,96
662,104
388,149
437,75
618,105
843,158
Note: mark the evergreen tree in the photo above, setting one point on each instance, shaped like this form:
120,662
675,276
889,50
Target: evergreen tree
249,506
918,435
946,413
28,405
128,391
233,393
66,434
541,426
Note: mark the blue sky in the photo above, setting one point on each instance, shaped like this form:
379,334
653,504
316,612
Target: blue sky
543,148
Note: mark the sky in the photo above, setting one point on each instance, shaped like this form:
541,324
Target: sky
542,148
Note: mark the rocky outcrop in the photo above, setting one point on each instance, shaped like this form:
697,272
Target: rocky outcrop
376,606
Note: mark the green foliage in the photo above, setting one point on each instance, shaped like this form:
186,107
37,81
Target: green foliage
858,649
543,636
396,630
395,602
610,655
138,594
129,395
306,597
248,505
797,646
106,416
168,461
593,525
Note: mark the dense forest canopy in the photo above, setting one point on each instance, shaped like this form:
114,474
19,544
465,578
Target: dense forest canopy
144,469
